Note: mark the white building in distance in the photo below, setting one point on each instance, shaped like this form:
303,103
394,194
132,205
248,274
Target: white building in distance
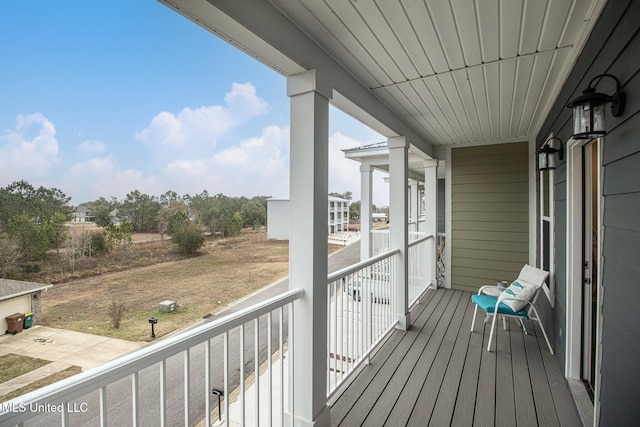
279,217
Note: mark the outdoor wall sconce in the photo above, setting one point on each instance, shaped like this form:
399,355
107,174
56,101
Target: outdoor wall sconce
588,109
548,156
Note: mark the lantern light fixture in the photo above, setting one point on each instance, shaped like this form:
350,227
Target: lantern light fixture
588,109
548,156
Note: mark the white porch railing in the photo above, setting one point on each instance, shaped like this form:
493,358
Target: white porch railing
422,262
359,313
158,396
380,239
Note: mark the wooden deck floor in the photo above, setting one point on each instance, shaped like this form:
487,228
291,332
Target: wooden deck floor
438,373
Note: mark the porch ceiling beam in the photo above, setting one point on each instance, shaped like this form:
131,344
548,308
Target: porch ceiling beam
267,34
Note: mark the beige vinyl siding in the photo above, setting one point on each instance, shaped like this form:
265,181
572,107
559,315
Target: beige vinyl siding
490,214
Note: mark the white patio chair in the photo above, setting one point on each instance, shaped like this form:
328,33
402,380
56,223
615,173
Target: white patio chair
517,301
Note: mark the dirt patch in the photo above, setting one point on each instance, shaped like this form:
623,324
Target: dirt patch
225,271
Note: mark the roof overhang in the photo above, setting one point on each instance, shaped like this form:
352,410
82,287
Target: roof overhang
10,289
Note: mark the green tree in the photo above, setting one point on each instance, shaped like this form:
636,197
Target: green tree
253,213
9,255
354,210
32,242
141,210
188,238
118,235
39,204
56,231
102,209
235,225
171,217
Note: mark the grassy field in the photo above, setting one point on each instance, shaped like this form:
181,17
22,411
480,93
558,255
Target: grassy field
225,271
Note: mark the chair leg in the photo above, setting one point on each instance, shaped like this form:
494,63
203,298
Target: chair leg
475,311
546,338
522,326
493,325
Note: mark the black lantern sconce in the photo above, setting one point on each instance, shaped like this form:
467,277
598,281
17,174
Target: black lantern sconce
588,109
549,156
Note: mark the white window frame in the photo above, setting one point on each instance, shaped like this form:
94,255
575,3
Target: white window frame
549,288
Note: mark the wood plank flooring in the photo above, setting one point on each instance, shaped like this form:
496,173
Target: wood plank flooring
438,373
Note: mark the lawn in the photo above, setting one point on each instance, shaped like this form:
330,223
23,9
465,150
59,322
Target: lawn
225,271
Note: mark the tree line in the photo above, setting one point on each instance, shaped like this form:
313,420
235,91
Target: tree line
32,222
150,214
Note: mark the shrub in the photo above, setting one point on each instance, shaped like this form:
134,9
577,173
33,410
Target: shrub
188,238
116,312
99,243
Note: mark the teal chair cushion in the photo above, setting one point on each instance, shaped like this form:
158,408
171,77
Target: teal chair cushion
488,304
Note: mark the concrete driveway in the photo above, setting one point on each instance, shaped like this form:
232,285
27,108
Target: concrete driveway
63,348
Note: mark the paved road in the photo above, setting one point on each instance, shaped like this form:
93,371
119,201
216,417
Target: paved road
119,394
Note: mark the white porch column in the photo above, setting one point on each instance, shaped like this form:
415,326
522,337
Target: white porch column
310,93
366,194
398,222
431,215
413,204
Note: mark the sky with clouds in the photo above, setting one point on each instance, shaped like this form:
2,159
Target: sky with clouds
100,98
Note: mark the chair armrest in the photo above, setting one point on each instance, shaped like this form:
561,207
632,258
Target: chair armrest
497,290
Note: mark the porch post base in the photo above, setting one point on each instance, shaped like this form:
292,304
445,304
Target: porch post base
323,419
404,322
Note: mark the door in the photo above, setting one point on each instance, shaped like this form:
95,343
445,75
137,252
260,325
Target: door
591,263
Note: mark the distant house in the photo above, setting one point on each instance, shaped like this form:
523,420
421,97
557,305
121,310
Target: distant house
279,217
20,297
379,217
115,218
83,214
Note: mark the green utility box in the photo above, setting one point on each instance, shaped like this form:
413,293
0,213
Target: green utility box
28,320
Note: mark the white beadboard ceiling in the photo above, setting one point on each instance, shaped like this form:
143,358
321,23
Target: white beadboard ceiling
459,71
455,72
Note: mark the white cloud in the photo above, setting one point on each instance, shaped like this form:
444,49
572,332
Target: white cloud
99,176
256,166
195,131
90,146
28,151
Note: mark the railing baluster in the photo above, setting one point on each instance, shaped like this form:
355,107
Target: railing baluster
256,368
281,348
163,393
65,417
329,335
207,382
292,360
242,423
226,378
134,400
269,371
103,406
187,384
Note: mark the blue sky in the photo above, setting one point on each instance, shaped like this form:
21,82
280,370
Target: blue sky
99,98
